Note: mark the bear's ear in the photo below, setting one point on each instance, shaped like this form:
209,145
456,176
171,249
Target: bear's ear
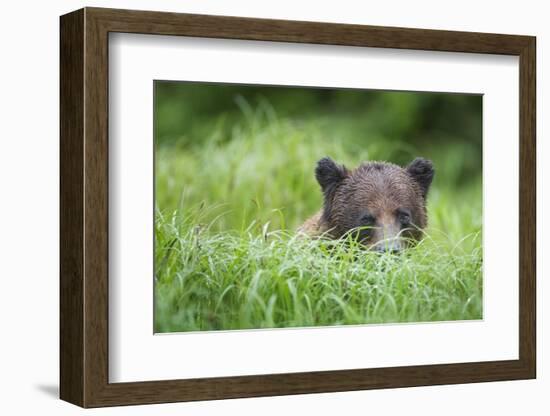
329,174
422,171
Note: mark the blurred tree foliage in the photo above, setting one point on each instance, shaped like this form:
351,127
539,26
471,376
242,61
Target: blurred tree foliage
442,126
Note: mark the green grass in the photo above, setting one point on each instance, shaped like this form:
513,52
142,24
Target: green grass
240,280
227,256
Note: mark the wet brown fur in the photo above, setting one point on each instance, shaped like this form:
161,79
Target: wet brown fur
381,190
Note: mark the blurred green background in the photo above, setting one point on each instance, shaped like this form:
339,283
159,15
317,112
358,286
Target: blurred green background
240,155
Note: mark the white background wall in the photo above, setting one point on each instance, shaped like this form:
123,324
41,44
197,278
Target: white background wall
29,206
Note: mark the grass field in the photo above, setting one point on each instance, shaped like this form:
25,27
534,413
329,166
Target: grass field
231,190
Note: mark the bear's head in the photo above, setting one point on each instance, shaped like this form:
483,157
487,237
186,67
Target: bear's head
383,205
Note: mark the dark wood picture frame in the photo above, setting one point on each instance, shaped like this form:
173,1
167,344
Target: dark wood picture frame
84,207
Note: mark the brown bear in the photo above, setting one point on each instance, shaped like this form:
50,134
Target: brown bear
381,204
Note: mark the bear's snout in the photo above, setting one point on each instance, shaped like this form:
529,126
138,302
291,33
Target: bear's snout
394,245
386,238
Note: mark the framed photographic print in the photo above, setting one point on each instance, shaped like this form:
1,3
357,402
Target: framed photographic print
255,207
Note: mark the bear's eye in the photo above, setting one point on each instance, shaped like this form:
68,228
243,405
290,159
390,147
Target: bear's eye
368,219
404,218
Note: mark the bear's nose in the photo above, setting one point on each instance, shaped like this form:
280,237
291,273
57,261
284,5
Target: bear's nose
388,246
387,250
